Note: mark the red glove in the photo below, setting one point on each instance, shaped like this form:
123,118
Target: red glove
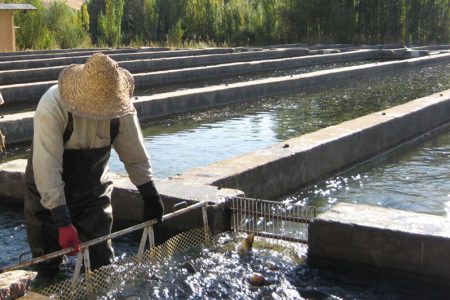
68,237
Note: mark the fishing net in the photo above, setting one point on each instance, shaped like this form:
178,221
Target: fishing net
102,280
270,221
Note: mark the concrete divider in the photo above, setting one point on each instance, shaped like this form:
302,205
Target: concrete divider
60,61
386,239
126,200
32,52
279,170
275,171
31,92
16,126
148,65
392,240
74,52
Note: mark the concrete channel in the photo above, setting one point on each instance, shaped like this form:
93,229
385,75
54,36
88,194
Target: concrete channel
28,55
282,168
60,61
395,241
18,127
156,64
31,92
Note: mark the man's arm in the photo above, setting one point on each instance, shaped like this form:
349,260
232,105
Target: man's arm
129,145
49,125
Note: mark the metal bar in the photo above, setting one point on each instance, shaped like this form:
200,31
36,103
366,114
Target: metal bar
235,218
87,262
151,237
205,222
285,218
87,271
278,237
142,244
76,273
100,239
255,199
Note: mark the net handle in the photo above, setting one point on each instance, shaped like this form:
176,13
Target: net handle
87,244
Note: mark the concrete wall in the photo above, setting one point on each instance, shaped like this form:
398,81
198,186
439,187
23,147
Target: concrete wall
220,95
59,60
275,171
278,170
17,128
7,35
391,240
48,54
13,76
126,200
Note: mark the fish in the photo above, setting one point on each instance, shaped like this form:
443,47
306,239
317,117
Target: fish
245,247
189,267
257,279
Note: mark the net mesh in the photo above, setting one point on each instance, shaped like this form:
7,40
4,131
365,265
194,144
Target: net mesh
103,279
274,222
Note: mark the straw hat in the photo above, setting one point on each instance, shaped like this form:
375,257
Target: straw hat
99,89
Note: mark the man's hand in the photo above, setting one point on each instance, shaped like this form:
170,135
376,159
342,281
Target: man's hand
153,208
153,205
68,237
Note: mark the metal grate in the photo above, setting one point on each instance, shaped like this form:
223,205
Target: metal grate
270,219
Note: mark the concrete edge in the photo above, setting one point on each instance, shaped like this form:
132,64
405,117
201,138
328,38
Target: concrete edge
126,200
17,126
29,92
384,239
277,170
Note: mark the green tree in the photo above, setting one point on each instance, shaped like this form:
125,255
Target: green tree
110,22
65,24
84,16
95,7
170,12
32,32
151,19
140,21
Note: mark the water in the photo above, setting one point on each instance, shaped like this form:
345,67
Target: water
419,171
14,246
413,178
193,140
198,139
12,235
218,272
248,77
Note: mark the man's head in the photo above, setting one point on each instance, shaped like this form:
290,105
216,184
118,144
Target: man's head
99,89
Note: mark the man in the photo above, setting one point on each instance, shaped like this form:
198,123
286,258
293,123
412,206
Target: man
67,180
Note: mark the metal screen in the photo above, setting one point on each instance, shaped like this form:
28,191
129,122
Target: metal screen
270,219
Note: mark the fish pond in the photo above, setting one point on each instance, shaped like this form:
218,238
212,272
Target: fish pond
268,271
198,139
406,179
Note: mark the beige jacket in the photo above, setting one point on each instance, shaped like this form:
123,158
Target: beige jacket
50,122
